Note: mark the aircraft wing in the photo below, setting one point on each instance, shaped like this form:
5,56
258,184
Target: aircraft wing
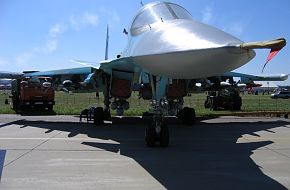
10,75
125,64
71,71
246,77
72,78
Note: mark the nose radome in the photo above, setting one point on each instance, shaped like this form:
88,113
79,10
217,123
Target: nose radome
188,49
183,35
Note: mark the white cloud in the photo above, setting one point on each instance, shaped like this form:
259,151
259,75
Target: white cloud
54,33
57,30
50,46
85,20
51,43
207,14
90,19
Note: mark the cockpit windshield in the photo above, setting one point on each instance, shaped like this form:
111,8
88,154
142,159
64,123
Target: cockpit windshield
157,12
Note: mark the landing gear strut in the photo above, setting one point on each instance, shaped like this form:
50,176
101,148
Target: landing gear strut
157,130
101,114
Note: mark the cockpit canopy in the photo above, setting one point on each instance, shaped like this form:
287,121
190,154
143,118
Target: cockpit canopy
157,12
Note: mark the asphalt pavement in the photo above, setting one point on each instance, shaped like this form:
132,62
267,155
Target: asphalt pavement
58,152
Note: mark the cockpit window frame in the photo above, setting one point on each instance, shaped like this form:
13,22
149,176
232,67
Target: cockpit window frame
170,8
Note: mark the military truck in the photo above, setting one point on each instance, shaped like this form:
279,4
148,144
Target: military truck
32,92
227,99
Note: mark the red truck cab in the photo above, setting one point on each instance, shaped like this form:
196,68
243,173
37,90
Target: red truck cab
34,92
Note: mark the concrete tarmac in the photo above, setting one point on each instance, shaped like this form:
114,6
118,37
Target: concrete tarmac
57,152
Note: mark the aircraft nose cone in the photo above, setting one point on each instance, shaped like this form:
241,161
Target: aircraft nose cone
188,49
190,35
183,35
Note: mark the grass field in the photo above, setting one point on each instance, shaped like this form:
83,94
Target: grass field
72,104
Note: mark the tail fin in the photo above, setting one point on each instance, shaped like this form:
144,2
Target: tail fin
107,43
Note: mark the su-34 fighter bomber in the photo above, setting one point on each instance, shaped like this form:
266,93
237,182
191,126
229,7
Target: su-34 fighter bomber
167,52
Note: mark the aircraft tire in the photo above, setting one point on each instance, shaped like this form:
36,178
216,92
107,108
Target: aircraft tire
164,136
150,135
98,116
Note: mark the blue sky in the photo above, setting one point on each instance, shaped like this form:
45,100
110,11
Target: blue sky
47,34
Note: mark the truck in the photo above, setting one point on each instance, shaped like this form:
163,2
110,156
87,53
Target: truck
227,99
32,93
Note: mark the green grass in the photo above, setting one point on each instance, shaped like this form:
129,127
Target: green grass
72,104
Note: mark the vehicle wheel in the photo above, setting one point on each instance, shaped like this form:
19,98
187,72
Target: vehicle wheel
98,116
164,136
120,111
238,104
15,103
50,107
188,116
107,115
215,104
150,135
206,104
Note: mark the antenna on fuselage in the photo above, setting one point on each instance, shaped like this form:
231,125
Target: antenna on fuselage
142,3
107,43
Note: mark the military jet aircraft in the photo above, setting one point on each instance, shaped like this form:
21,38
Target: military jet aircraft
168,50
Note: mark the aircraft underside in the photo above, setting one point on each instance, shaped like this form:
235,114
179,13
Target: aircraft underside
165,97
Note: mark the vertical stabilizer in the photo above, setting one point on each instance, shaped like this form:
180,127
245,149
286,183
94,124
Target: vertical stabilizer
107,43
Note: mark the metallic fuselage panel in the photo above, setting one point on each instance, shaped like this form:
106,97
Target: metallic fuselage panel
186,49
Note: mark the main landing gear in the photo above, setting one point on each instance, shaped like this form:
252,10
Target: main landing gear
101,114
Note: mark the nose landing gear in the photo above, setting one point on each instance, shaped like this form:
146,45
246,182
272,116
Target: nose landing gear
157,131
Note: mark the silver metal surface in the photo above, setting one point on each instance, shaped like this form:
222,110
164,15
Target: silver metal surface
165,40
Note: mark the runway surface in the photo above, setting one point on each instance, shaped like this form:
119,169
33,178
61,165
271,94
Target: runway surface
57,152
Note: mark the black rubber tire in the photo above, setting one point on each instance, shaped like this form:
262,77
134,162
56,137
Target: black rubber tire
150,135
107,115
50,107
215,105
238,104
188,116
98,116
15,104
164,136
206,104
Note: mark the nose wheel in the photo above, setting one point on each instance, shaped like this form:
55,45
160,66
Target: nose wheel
155,133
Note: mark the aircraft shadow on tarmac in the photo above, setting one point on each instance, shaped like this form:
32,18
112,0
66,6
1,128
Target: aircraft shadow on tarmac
205,156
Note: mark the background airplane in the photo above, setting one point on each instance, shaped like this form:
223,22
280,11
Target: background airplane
166,48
